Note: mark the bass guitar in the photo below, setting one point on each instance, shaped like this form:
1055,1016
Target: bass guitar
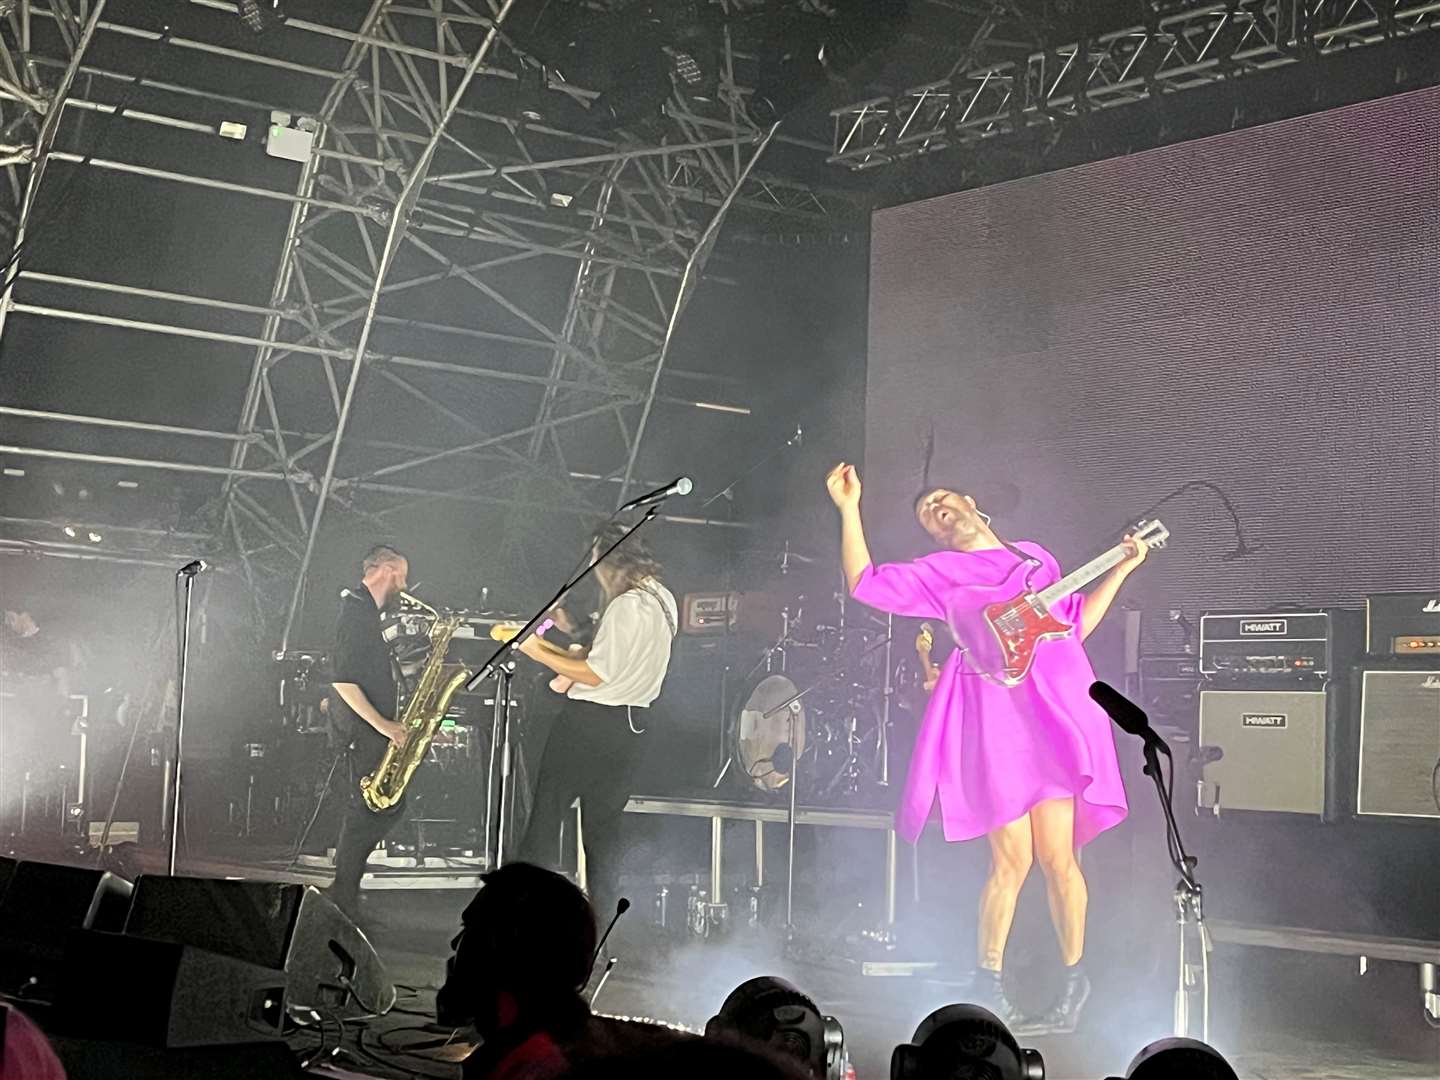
1000,638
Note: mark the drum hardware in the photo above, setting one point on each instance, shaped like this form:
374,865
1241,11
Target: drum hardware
697,912
785,758
754,895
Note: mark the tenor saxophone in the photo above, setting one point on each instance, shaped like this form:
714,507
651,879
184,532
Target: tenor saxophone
424,712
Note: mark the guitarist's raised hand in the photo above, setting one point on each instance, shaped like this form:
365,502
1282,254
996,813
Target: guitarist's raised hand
1137,549
843,483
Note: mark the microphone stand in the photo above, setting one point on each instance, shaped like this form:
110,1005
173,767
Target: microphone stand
727,755
1189,897
788,705
187,574
502,670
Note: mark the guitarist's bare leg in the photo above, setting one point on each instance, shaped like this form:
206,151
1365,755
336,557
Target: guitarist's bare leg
1053,826
1053,823
1011,854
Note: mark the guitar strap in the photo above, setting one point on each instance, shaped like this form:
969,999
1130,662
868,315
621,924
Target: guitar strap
1024,558
1034,563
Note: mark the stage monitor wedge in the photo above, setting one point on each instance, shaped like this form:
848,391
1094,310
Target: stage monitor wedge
329,963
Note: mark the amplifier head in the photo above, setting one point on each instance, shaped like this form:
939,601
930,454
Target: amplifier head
1392,620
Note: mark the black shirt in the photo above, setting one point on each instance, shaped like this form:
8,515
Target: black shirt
362,657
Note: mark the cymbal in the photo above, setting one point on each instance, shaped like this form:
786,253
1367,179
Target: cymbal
767,554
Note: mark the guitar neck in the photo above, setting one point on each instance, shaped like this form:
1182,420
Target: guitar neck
1077,579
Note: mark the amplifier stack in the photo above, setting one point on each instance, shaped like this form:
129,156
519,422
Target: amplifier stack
1270,710
1309,712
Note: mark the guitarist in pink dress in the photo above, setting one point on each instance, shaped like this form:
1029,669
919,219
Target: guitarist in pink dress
1031,766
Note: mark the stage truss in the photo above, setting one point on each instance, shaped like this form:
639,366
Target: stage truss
476,292
1195,47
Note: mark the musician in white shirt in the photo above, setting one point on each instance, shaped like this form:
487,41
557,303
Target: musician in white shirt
596,740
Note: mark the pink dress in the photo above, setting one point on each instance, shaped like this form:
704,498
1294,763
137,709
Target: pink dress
990,751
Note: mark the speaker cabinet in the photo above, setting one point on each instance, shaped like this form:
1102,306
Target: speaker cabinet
164,994
1399,743
1275,746
43,903
329,964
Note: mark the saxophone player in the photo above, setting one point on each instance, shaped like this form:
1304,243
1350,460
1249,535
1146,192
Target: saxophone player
364,683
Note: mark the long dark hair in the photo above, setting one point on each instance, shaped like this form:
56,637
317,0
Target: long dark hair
632,560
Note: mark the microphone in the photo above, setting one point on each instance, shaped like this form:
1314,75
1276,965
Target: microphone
620,909
682,485
193,567
1128,716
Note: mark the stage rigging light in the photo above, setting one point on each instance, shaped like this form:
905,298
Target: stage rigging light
964,1040
770,1010
1179,1059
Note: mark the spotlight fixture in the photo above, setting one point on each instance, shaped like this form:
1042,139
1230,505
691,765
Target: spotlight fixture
770,1010
964,1040
1179,1059
69,531
94,537
261,15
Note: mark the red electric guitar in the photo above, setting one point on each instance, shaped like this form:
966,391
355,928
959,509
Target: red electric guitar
1000,638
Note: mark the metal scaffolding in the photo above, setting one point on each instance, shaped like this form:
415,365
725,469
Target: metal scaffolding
477,286
979,100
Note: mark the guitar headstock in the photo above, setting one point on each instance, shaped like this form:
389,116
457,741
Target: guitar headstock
925,640
1153,532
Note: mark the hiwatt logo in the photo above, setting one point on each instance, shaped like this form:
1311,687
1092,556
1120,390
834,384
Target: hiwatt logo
1264,719
1433,607
1263,627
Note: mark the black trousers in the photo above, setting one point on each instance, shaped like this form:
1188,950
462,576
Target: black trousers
591,755
360,828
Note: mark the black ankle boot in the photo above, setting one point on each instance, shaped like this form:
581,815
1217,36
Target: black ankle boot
1063,1017
989,991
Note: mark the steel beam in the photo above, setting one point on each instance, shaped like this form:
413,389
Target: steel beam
688,282
40,156
1189,49
393,237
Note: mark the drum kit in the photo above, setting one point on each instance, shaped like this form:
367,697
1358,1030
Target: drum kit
817,702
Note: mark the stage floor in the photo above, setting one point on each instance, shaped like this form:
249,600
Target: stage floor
1276,1015
685,984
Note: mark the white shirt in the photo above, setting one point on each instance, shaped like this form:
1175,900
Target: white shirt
631,650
